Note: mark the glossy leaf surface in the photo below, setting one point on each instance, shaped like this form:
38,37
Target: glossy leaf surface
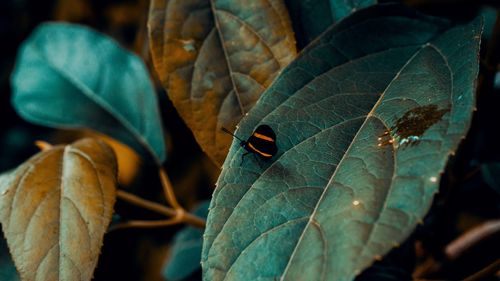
55,208
216,57
69,76
365,120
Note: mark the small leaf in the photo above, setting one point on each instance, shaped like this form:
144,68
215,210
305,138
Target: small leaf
313,17
69,76
55,208
365,120
186,251
215,58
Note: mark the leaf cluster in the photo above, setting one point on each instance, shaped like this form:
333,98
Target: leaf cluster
387,166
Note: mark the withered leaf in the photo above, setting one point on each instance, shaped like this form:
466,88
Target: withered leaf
55,208
216,57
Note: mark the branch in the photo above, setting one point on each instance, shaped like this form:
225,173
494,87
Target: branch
168,190
485,272
146,204
177,215
144,224
43,145
472,238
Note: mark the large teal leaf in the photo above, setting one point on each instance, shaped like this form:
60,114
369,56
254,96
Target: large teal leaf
69,76
365,118
312,17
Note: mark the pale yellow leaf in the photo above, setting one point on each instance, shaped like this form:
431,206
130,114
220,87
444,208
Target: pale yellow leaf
55,208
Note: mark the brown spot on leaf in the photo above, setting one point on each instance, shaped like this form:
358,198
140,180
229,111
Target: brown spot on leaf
412,125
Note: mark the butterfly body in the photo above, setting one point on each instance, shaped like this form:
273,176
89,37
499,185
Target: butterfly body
262,142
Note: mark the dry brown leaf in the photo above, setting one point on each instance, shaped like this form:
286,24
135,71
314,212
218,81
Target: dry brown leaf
214,68
55,208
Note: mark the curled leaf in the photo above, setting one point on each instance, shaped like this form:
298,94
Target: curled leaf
216,57
365,120
55,208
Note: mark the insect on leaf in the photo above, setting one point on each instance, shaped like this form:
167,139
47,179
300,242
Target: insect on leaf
69,76
55,208
365,120
215,58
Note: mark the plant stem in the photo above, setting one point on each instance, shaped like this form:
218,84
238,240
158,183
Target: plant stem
168,190
179,215
43,145
144,224
472,238
485,272
146,204
192,219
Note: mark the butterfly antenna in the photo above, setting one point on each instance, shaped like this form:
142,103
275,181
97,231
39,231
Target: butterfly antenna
227,131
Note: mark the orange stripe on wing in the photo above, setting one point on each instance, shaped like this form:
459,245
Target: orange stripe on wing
263,137
258,151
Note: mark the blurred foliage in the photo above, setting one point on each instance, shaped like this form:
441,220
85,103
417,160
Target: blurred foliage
186,250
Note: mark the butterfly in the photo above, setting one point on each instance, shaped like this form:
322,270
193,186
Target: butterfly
262,142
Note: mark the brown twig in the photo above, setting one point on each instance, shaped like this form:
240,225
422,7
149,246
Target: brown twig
168,190
43,145
471,238
178,214
485,272
144,224
146,204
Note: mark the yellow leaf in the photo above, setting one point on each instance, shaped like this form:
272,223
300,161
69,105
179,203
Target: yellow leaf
55,208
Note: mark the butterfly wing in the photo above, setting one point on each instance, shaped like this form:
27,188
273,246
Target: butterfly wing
263,142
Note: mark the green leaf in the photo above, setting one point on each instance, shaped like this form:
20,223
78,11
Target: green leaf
312,17
186,251
365,118
69,76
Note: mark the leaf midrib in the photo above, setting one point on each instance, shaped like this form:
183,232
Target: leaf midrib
226,56
100,102
370,114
